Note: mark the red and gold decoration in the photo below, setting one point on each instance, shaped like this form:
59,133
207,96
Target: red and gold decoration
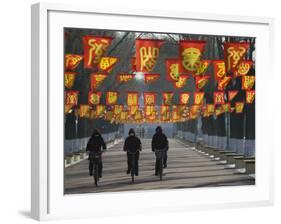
150,113
96,80
194,111
219,69
165,112
69,78
198,98
149,98
219,97
181,82
106,63
71,98
232,94
219,111
124,115
226,107
117,109
84,110
132,98
100,109
210,109
94,98
173,69
190,54
243,68
239,106
200,82
94,49
175,114
72,61
148,78
222,83
250,96
123,78
234,53
184,98
167,98
111,97
202,67
133,109
248,82
147,52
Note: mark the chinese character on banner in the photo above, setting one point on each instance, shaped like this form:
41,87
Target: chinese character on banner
184,98
243,68
175,114
226,107
94,49
132,98
219,69
111,98
96,80
117,109
106,63
71,98
109,115
133,64
234,53
250,95
149,111
148,78
72,61
219,111
147,52
190,54
123,78
167,98
239,106
201,81
138,115
223,82
149,98
173,69
165,112
198,98
69,78
94,98
219,97
84,110
248,82
210,109
181,82
232,94
194,111
133,109
202,67
100,109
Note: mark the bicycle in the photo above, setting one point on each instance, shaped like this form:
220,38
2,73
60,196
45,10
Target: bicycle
95,159
133,164
159,153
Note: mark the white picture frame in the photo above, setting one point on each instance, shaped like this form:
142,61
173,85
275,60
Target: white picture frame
48,201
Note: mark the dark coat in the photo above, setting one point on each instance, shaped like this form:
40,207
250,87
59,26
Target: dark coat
95,143
132,144
159,141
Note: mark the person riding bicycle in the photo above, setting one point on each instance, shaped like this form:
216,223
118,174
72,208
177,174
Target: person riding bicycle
94,146
132,145
160,142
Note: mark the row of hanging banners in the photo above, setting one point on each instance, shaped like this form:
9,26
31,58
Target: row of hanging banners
177,71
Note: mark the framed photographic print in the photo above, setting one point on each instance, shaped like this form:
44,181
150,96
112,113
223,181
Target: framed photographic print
165,109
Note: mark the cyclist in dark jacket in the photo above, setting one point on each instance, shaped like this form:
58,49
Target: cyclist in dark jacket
160,142
132,144
94,145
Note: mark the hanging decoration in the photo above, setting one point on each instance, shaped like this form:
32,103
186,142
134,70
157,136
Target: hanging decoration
222,83
202,67
94,98
243,68
219,97
147,52
106,63
149,98
239,106
71,97
173,69
184,98
232,94
148,78
234,53
194,111
96,80
167,98
132,98
210,109
248,82
72,61
94,49
181,82
198,98
100,110
190,54
117,109
133,109
123,78
69,78
200,82
219,69
111,97
250,96
84,110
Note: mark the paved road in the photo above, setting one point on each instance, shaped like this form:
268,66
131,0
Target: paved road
186,168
